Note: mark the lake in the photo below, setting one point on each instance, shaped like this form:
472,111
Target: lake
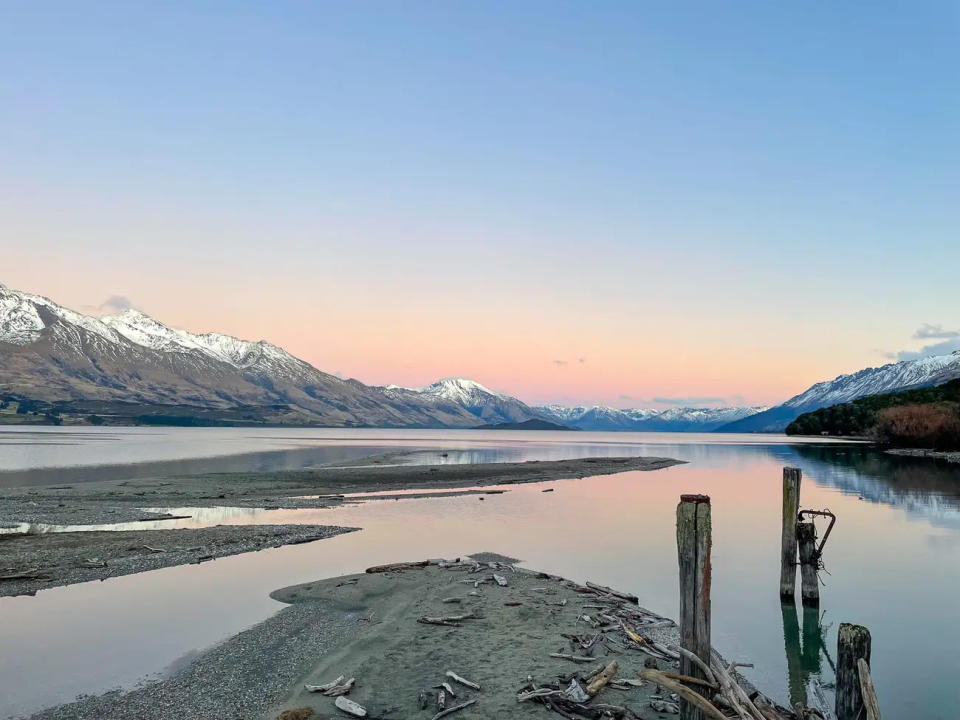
893,558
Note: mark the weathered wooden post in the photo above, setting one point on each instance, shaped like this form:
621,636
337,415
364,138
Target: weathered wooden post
809,584
853,645
788,538
693,551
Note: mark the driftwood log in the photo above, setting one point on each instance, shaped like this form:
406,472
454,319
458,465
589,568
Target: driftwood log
867,691
462,680
598,682
350,707
325,686
685,693
453,709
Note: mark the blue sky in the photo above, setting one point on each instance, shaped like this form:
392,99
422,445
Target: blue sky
701,199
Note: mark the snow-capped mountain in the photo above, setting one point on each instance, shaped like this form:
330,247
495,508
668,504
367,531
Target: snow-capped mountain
844,388
131,366
486,405
646,419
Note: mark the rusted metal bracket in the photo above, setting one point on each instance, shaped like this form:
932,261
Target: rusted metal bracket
821,513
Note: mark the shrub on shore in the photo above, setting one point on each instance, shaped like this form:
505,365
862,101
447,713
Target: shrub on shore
934,426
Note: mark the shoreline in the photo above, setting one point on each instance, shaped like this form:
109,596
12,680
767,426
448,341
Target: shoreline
950,456
64,558
370,626
53,560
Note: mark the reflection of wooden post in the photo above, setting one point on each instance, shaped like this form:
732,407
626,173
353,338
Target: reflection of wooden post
796,677
693,552
853,643
809,585
788,538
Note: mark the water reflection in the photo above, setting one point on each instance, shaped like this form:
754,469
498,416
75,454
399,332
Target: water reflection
805,654
899,546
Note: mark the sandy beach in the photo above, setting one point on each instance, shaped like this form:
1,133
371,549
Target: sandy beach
518,629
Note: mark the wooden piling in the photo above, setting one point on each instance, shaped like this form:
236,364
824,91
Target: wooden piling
809,584
693,552
788,538
853,645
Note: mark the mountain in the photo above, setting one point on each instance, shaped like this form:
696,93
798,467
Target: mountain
130,367
484,404
864,416
902,375
646,420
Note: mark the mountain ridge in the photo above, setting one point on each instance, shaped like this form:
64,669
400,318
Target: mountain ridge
902,375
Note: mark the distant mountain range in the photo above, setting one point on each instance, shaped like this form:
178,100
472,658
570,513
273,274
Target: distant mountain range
58,363
646,420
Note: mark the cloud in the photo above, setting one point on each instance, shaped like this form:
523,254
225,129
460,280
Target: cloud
934,332
581,360
690,401
941,348
116,303
559,363
626,397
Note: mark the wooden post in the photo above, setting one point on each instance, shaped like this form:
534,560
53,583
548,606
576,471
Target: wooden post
853,644
693,551
788,538
809,584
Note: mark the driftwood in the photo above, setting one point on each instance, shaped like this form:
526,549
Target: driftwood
574,658
451,620
153,549
454,709
452,600
340,689
602,678
350,707
500,580
629,597
446,687
441,700
685,693
325,686
32,574
664,706
690,680
397,566
867,691
463,681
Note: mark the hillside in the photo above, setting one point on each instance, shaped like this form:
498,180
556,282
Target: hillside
864,416
921,372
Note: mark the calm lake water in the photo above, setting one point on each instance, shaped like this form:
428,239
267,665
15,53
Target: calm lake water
893,558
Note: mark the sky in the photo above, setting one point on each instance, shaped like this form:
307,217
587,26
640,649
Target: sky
624,203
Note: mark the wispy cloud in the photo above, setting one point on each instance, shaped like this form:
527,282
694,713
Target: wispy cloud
116,303
626,397
941,348
559,363
949,342
581,360
934,332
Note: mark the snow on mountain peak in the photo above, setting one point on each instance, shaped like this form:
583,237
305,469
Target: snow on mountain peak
459,389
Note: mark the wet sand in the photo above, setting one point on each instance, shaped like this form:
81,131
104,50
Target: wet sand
36,562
